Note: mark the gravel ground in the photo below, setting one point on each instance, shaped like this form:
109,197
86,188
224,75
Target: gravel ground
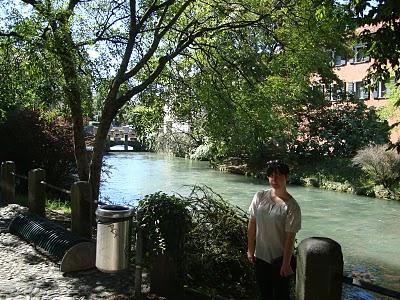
27,273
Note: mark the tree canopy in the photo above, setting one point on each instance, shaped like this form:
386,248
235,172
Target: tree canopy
242,90
238,72
131,43
380,21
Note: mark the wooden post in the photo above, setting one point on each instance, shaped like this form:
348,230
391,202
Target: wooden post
319,269
81,209
36,192
139,257
164,276
108,143
126,142
7,183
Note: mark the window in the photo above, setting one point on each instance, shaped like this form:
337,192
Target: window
360,55
358,89
338,91
338,59
380,90
335,91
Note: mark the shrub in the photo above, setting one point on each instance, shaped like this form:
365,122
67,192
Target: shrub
166,222
381,165
338,129
213,235
32,141
216,248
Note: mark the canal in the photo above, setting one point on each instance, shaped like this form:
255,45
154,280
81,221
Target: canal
368,229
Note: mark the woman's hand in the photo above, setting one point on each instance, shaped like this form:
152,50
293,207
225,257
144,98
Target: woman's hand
286,270
251,257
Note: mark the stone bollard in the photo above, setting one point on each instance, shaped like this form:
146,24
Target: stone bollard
319,269
36,192
81,209
7,182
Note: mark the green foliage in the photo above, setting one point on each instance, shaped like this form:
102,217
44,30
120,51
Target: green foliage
52,203
58,205
381,165
237,72
31,76
166,223
206,233
339,129
391,110
32,141
380,22
216,246
383,44
145,119
332,169
203,152
242,89
175,143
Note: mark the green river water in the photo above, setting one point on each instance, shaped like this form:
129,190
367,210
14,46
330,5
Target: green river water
368,229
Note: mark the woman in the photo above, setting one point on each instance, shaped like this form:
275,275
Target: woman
275,218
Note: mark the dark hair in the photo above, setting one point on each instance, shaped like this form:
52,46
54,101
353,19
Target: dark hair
277,166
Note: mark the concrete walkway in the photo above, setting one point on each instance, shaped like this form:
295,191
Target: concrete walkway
26,273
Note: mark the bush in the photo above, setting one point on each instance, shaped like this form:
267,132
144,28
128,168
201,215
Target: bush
381,165
166,223
323,170
338,130
213,235
216,248
31,142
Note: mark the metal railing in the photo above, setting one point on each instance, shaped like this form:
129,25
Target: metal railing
68,192
371,287
19,176
46,184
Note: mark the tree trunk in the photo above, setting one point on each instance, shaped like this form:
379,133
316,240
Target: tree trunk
97,157
65,50
110,110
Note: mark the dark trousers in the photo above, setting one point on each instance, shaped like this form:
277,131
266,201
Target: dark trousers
271,284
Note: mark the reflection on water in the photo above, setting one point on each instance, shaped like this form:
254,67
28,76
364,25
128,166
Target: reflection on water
367,229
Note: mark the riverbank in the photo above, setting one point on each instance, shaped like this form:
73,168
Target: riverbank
333,176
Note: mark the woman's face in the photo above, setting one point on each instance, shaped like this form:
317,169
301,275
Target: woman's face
277,180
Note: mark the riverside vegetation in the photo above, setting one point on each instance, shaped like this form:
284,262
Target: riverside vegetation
374,172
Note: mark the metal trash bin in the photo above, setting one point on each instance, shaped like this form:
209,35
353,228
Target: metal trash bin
114,228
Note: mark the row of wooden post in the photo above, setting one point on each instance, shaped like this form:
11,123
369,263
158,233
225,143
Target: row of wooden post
80,193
